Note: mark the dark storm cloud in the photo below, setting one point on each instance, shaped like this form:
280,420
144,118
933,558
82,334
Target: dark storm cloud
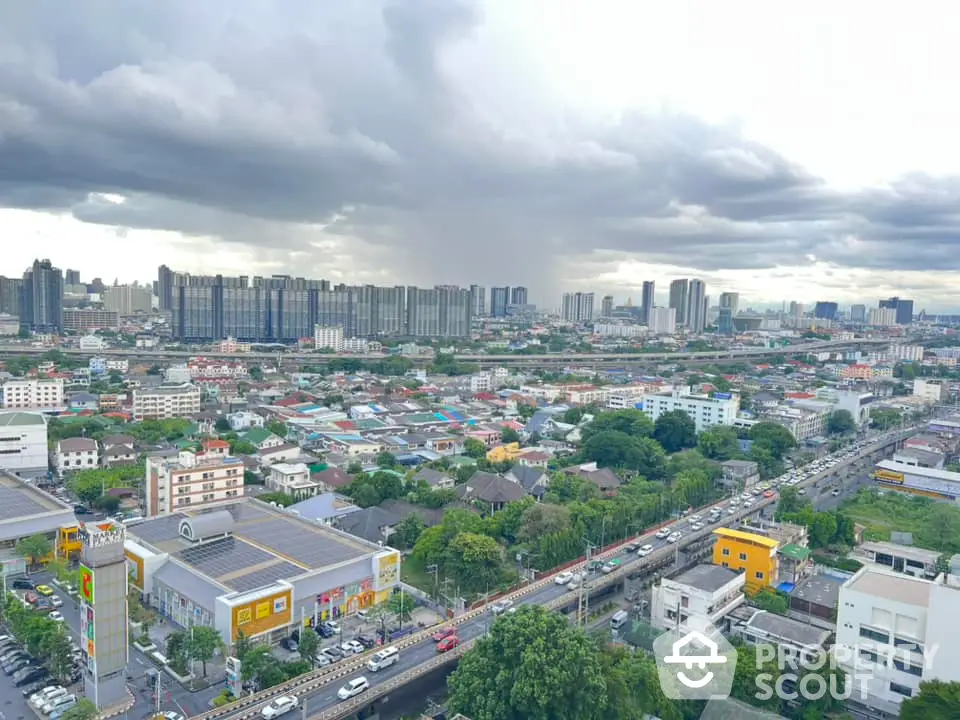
251,119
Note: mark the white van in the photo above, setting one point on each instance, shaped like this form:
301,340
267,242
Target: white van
619,619
384,659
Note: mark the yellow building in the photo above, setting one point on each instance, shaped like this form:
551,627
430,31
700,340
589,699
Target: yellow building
504,453
755,555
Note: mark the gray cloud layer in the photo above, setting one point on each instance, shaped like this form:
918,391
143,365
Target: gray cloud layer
247,119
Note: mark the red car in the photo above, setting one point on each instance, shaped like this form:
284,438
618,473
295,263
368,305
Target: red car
448,643
443,633
768,493
31,597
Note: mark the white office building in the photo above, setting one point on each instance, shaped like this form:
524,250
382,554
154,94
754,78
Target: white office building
895,631
908,353
328,337
166,402
703,593
935,392
662,321
23,444
33,394
882,317
705,410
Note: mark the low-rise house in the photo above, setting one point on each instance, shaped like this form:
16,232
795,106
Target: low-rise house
293,479
604,478
434,478
740,473
83,401
333,478
118,450
73,454
244,420
493,491
534,480
261,438
534,458
278,453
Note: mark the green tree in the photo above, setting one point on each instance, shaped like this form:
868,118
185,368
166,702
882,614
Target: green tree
675,430
242,645
841,422
386,460
632,422
256,374
937,700
790,502
475,561
541,519
176,651
56,648
402,604
108,503
774,438
83,710
509,435
239,446
307,645
771,601
34,548
533,665
474,448
277,427
719,442
407,532
203,642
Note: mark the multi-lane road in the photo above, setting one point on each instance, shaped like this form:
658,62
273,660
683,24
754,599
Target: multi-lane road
558,358
319,691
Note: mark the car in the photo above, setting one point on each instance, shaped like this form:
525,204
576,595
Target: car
45,590
367,641
56,601
333,654
324,632
631,547
28,675
172,715
696,526
802,491
595,566
768,493
731,511
31,597
56,616
81,510
363,615
501,606
58,702
22,584
62,711
34,687
288,643
645,550
443,633
333,625
674,538
748,503
662,534
610,566
39,699
352,647
321,660
353,688
279,706
448,643
15,665
563,578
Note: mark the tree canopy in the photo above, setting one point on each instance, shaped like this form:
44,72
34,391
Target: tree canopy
675,431
841,422
534,665
937,700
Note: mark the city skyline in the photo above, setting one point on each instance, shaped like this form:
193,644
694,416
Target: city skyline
393,152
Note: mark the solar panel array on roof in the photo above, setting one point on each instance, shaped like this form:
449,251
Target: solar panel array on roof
304,545
159,529
222,557
264,576
15,503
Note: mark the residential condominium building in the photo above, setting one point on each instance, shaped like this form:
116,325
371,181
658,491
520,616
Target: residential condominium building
705,410
882,317
165,402
442,311
128,299
932,391
680,300
328,338
895,631
662,321
33,394
648,301
82,320
192,480
577,307
41,298
908,353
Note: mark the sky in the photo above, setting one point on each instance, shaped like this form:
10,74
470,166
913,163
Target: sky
561,145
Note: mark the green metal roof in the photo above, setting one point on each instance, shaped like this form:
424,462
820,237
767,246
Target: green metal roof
795,552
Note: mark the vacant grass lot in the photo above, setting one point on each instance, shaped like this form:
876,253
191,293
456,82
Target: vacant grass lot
935,525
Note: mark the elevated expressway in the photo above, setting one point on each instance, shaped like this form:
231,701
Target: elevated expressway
299,359
317,690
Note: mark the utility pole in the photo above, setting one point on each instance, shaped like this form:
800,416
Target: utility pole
156,699
583,599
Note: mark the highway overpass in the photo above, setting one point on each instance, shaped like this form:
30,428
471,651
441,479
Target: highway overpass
418,655
300,359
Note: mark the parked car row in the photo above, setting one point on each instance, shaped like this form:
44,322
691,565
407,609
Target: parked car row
34,681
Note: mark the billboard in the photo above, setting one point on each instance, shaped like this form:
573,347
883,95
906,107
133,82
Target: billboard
888,476
234,677
86,584
386,570
263,614
722,396
135,568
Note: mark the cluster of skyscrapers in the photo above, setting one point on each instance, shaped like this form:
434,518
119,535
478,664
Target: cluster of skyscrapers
891,311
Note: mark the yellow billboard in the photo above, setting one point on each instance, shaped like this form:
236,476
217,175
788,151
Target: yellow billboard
386,571
261,615
888,476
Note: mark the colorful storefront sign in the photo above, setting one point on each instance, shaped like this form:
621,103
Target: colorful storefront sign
262,615
86,584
